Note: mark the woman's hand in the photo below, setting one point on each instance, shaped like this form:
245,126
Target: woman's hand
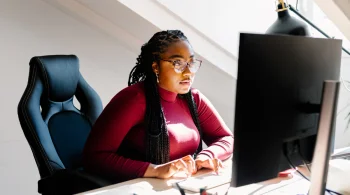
204,161
167,170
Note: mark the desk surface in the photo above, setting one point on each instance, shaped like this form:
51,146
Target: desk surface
338,180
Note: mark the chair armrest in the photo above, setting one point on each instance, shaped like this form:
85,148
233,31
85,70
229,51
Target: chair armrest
71,182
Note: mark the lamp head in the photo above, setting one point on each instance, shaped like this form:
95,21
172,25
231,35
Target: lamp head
286,24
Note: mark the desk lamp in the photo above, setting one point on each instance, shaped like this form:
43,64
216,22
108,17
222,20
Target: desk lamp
286,24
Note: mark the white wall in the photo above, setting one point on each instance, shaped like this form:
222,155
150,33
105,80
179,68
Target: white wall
160,16
31,28
342,134
337,14
222,20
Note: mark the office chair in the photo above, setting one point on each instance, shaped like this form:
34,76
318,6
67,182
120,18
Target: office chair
55,129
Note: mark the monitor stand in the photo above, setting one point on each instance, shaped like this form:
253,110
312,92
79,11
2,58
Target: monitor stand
325,135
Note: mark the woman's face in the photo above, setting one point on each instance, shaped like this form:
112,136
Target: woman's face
173,71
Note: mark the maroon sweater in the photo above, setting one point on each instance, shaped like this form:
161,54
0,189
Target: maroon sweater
116,146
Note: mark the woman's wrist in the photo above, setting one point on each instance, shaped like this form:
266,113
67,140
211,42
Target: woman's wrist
202,157
151,171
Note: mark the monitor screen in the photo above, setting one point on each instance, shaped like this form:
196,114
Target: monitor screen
278,96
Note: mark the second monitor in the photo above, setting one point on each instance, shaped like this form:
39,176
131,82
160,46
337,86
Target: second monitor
278,96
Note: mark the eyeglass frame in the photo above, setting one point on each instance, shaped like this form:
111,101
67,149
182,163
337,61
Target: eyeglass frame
187,65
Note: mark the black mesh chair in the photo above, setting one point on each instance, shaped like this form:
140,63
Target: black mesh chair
55,129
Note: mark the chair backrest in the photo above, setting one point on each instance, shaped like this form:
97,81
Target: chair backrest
55,129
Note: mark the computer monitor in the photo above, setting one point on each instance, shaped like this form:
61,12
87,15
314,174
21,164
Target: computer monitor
278,95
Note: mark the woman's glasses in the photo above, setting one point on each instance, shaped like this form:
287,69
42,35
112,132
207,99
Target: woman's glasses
180,65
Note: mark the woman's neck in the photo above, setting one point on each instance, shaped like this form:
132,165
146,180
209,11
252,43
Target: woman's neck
167,94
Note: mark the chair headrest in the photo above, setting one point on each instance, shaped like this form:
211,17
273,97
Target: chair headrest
60,75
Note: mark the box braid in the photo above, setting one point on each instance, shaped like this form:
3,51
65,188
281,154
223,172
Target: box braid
157,139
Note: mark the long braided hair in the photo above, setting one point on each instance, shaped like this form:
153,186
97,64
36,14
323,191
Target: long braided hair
157,139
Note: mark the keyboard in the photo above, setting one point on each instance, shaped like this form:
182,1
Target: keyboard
206,181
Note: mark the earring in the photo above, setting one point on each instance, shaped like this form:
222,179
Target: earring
157,78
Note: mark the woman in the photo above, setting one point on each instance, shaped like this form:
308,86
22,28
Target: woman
154,127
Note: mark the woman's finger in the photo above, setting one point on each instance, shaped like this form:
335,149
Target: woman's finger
191,166
180,165
208,163
220,163
199,165
190,163
217,165
213,164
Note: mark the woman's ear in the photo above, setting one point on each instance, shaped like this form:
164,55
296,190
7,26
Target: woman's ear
155,68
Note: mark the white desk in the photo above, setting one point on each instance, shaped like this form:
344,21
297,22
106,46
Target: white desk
338,180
